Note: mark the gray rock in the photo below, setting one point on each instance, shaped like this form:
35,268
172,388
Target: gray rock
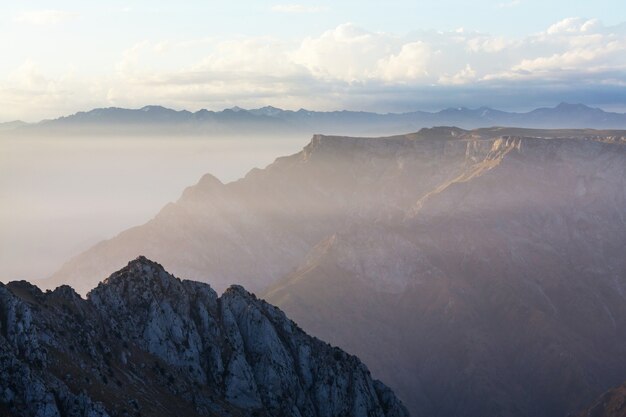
145,342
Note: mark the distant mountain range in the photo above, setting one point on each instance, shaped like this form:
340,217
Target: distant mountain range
479,273
271,120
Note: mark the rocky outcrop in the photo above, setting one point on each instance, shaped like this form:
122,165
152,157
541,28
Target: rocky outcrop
610,404
147,343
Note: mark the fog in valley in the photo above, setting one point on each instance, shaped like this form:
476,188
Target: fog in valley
61,195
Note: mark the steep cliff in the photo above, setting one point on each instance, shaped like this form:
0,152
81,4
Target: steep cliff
500,293
610,404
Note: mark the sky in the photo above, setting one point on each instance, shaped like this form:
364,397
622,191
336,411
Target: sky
60,57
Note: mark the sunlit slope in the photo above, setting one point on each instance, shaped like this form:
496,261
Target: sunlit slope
499,293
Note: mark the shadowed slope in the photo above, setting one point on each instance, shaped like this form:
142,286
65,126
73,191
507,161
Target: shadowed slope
147,343
500,293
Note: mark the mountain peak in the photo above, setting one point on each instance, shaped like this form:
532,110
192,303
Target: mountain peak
207,185
154,108
144,345
209,181
140,272
270,111
142,260
239,291
572,106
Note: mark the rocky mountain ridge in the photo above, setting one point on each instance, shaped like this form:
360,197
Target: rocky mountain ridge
147,343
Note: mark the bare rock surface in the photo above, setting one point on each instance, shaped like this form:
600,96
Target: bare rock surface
499,293
610,404
146,343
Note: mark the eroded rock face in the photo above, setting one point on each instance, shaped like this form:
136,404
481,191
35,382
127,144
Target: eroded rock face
147,343
500,293
610,404
259,228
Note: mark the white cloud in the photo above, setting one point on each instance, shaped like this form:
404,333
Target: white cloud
298,8
576,59
409,64
573,25
489,44
346,53
45,17
337,68
464,76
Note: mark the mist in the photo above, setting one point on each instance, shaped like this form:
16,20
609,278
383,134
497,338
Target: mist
61,195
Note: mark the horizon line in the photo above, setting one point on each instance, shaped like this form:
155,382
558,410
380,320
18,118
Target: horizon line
238,108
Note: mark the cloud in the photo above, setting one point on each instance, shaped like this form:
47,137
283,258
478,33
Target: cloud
464,76
344,67
571,50
409,64
45,17
573,25
298,8
349,63
346,53
489,44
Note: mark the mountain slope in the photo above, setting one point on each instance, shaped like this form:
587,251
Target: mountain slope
259,228
147,343
611,404
500,293
478,272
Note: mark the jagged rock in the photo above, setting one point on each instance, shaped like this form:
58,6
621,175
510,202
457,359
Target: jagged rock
147,343
610,404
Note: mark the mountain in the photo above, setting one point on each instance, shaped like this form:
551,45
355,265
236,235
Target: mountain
158,120
499,293
610,404
12,125
147,343
260,228
478,273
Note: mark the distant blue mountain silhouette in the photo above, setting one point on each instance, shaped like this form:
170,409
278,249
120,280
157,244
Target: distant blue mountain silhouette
271,120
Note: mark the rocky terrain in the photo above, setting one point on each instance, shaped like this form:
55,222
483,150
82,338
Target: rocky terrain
501,293
478,273
610,404
144,343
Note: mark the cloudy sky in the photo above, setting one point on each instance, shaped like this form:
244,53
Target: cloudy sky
396,55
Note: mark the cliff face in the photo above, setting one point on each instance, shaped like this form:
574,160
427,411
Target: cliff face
147,343
258,229
499,293
610,404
